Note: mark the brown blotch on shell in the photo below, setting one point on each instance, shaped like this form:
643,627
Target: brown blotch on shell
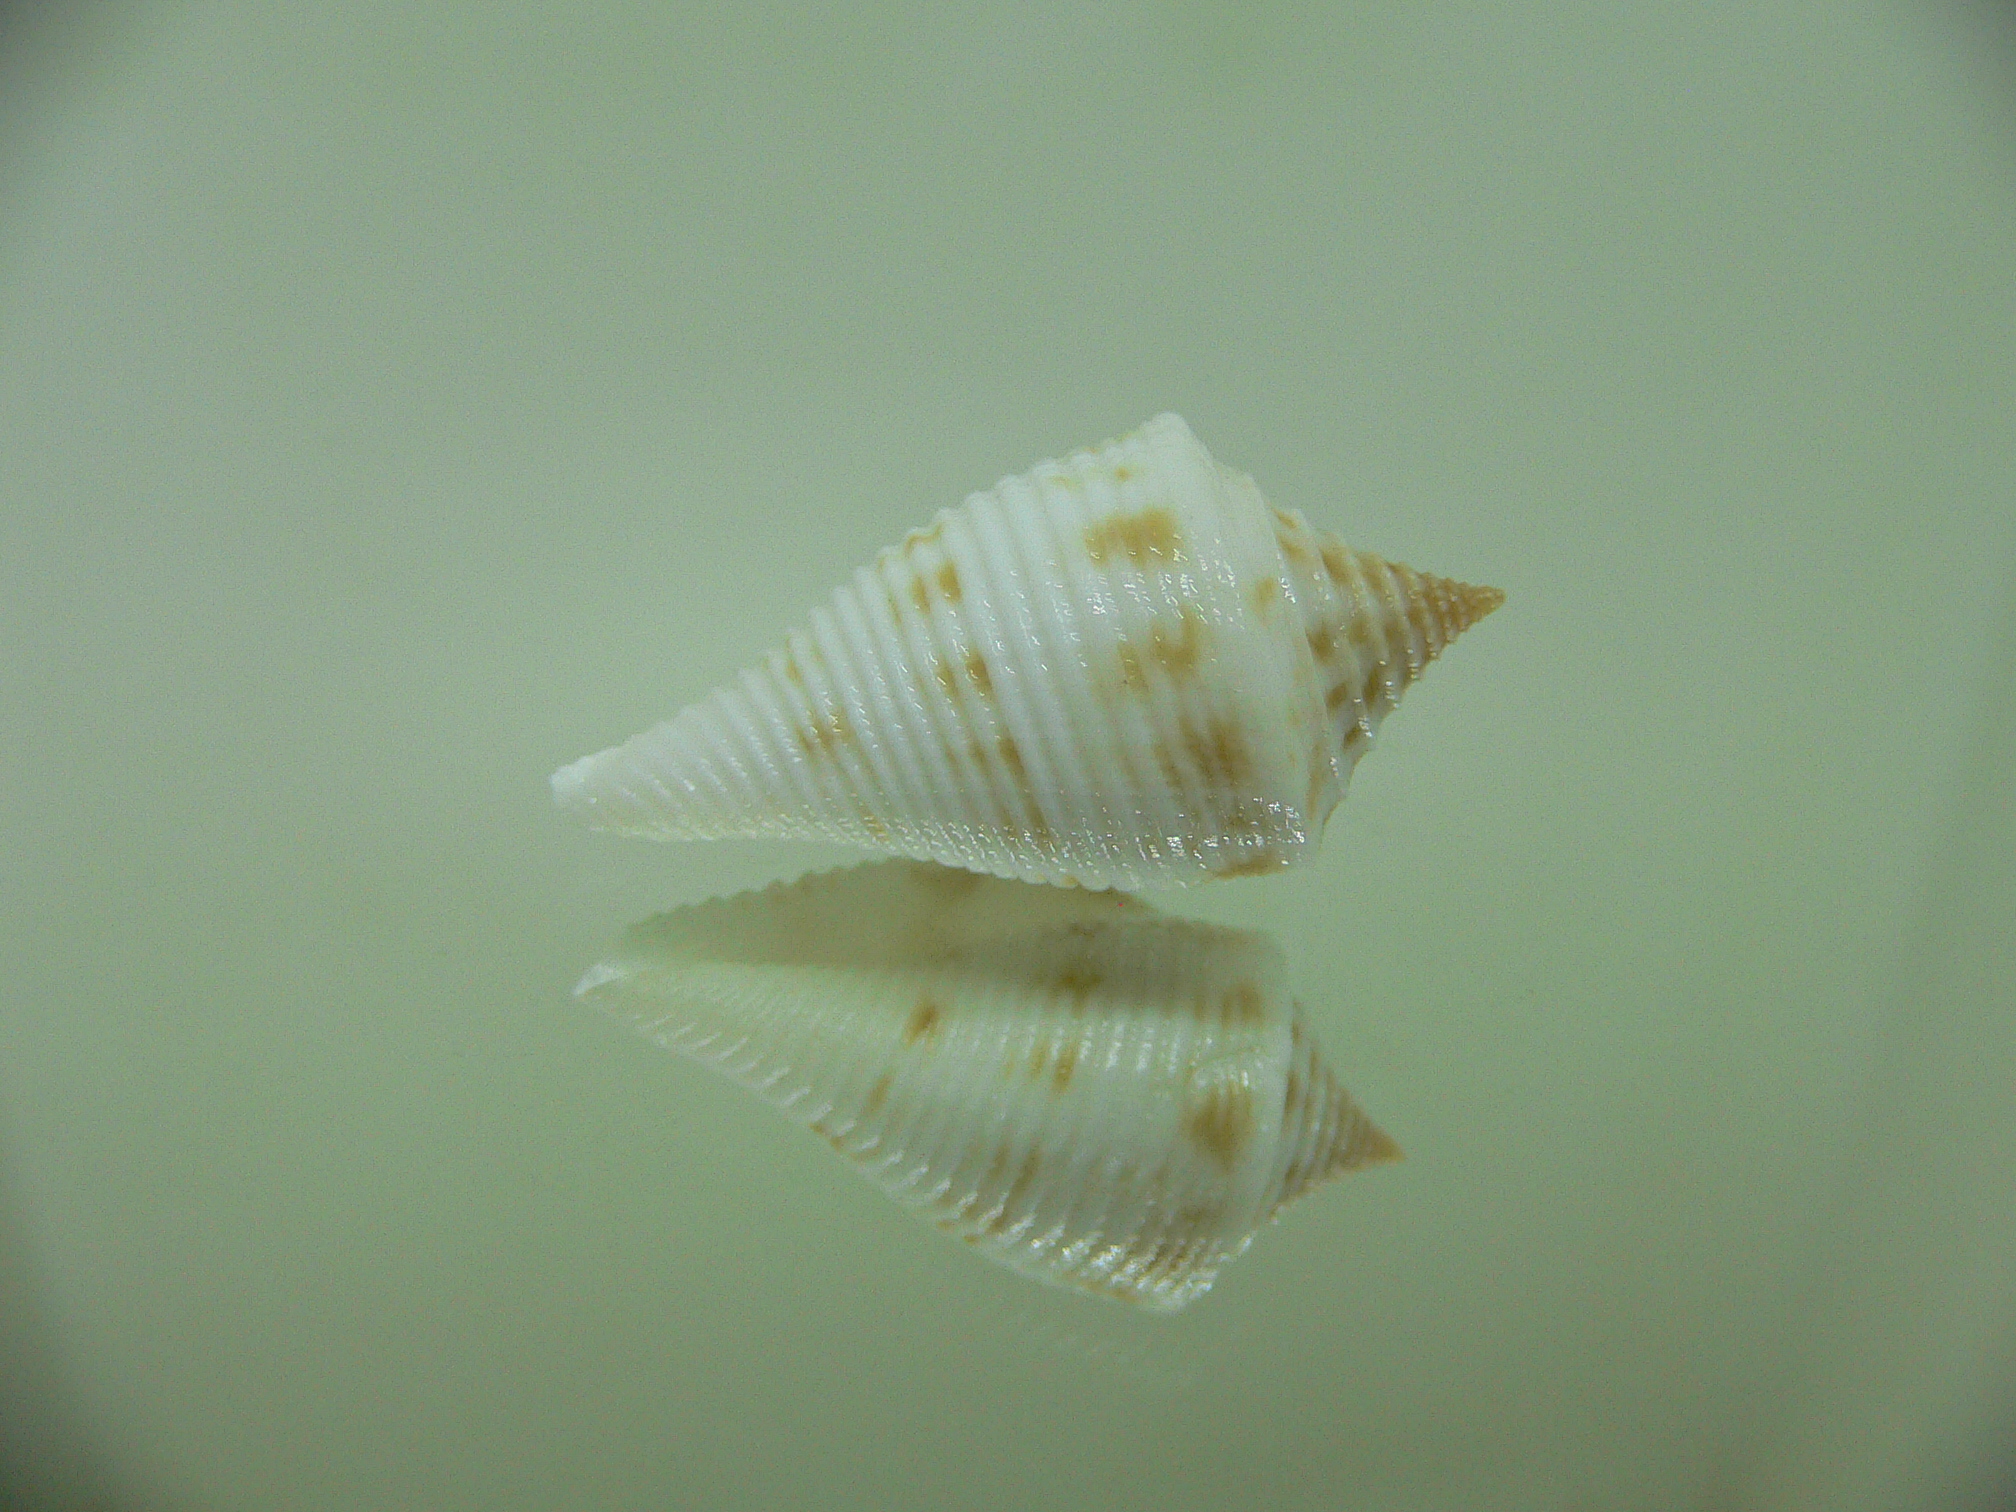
1323,642
948,583
1222,1121
1066,1065
828,733
1011,756
920,595
1144,538
872,823
792,671
1179,653
1220,752
1255,864
923,1022
1244,1003
1132,673
977,673
1336,563
924,535
1292,547
1078,981
1018,1191
878,1094
1265,593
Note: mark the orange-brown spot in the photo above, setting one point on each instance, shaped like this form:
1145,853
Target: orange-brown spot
872,823
1323,641
920,595
1011,756
923,1022
1337,697
1039,1059
1335,562
1243,1004
1078,981
1258,864
878,1094
924,535
1375,687
1131,672
1220,752
1292,548
976,671
1018,1190
1122,473
792,671
948,583
1067,1065
1265,592
1144,538
1178,652
1222,1121
828,733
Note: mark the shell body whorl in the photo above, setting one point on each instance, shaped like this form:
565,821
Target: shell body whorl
1119,669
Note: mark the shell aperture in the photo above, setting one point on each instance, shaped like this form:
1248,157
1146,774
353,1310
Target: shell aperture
1120,669
1093,1093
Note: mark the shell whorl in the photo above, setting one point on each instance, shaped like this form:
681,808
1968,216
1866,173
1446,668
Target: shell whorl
1371,627
1119,669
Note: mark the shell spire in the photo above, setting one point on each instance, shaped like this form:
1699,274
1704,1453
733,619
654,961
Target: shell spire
1092,1093
1119,669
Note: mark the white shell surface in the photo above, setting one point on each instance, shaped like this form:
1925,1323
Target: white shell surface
1088,1091
1119,669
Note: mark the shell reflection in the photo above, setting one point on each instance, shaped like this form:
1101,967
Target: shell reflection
1089,1091
1120,669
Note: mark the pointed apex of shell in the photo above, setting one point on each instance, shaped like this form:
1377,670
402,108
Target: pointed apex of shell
1459,605
1474,601
1368,1145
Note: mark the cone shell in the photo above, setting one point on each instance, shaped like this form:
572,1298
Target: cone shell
1121,669
1087,1091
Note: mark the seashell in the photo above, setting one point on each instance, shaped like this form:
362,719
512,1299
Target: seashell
1121,669
1090,1092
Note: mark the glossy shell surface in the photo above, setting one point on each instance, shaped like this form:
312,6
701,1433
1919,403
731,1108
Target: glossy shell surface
1119,669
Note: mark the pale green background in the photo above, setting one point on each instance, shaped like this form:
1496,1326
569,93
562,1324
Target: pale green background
396,403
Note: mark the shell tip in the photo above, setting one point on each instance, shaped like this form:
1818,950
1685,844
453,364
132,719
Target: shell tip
1374,1146
1474,602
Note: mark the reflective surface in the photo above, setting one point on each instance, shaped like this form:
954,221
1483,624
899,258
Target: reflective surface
393,407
